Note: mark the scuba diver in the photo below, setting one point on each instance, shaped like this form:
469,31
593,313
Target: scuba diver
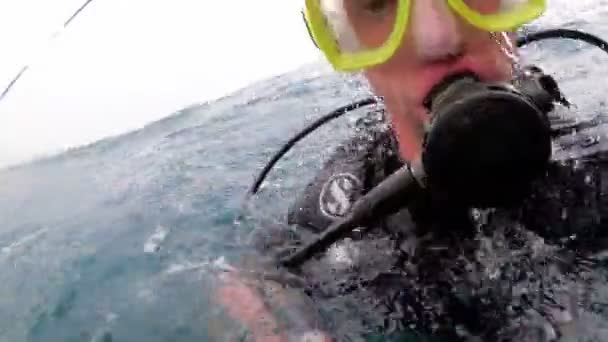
453,213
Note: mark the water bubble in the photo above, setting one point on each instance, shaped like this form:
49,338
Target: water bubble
588,179
564,214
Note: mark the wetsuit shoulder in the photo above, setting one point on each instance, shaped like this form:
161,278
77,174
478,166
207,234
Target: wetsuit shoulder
355,167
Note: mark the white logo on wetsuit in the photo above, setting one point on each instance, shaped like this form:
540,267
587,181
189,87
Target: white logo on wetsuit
337,195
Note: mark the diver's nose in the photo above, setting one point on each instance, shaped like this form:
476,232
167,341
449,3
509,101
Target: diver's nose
436,33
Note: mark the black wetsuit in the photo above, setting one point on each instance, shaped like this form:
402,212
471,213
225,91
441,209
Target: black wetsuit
444,269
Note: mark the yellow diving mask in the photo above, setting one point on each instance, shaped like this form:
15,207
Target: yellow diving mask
358,34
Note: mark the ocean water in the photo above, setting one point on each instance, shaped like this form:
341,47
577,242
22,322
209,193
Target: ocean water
120,240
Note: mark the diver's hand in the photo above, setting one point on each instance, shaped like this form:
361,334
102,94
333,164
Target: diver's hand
243,303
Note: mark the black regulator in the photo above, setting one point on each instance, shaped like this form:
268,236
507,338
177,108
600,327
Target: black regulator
487,142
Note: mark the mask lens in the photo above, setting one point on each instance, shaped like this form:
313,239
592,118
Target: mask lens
498,15
359,25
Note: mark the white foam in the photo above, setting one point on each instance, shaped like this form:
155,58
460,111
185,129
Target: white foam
111,317
8,250
152,244
219,264
101,332
178,268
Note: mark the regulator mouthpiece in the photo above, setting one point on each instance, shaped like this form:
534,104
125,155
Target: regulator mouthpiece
486,143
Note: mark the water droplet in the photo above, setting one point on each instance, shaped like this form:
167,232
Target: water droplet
476,214
588,179
505,44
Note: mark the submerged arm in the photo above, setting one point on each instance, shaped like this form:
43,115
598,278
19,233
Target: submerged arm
244,305
270,311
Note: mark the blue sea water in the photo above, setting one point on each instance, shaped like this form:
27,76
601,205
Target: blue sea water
119,240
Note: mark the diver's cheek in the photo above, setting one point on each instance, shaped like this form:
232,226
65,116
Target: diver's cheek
501,53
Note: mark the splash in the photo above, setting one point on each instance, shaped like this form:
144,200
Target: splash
508,49
17,245
153,243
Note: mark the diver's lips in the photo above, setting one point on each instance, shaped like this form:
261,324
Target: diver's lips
443,83
434,75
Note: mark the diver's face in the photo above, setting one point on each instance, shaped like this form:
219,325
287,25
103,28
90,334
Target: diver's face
438,42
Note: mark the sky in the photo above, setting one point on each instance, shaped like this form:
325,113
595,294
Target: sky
124,63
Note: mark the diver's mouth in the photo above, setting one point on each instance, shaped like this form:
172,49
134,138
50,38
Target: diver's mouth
444,83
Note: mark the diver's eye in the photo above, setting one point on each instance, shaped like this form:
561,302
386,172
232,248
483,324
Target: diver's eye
376,6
